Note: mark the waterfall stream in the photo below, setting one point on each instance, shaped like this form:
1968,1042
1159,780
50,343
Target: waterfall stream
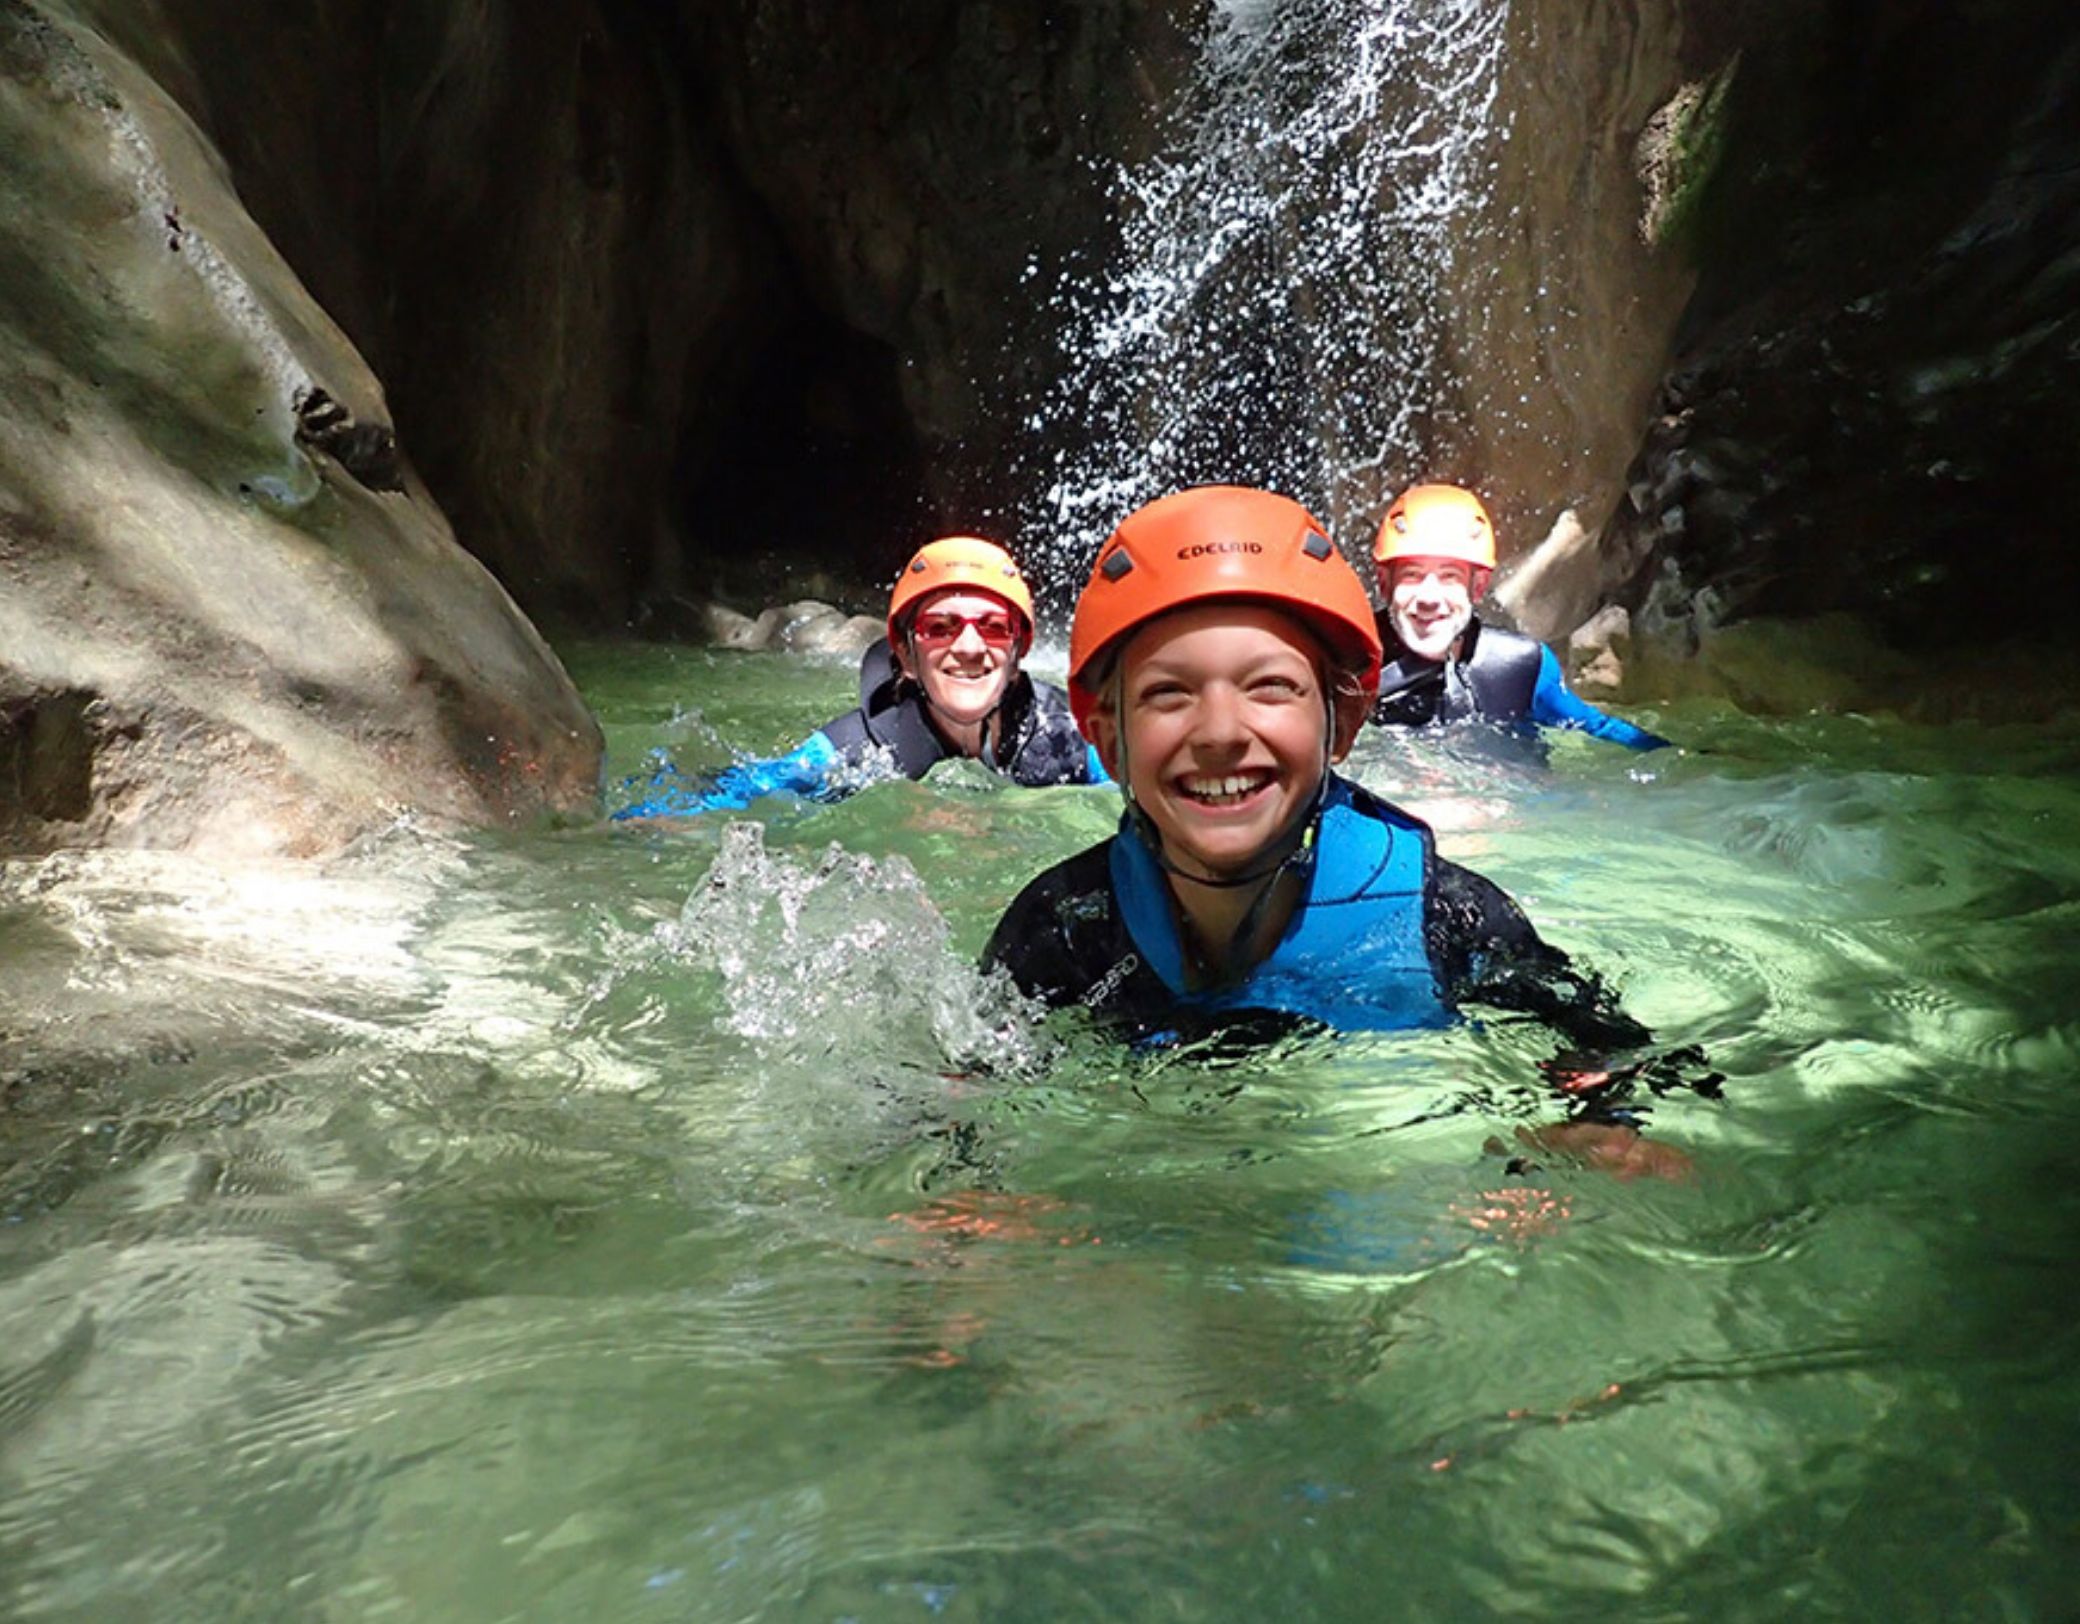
1276,312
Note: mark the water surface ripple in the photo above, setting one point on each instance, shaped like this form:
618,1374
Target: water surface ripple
668,1222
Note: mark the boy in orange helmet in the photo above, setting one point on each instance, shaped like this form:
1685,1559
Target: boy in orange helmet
946,683
1434,555
1222,659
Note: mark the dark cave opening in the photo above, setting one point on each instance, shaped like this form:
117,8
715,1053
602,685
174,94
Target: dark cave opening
805,470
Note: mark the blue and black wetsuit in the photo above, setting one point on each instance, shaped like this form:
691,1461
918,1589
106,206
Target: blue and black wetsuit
1037,745
1496,676
1388,935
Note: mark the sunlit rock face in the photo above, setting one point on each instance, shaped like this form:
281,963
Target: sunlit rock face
1875,402
1564,306
230,617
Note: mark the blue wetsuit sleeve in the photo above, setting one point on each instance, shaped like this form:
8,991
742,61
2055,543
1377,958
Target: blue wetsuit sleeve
1554,704
1094,769
804,770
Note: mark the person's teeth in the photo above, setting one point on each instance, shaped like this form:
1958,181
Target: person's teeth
1212,789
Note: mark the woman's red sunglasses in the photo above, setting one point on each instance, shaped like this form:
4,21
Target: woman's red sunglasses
939,626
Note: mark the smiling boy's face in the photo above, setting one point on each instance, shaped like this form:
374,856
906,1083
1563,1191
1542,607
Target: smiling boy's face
1220,731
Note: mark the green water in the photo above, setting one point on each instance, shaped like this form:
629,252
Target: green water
625,1223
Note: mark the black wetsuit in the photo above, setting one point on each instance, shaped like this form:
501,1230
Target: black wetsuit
1495,676
1388,935
1037,739
1037,744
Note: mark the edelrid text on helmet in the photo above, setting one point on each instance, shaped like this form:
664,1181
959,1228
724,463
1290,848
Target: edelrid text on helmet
961,563
1436,521
1219,541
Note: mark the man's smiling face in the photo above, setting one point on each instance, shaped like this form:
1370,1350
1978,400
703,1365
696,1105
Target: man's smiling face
1429,602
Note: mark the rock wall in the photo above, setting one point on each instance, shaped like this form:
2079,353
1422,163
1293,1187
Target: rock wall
921,167
230,617
1567,310
1876,390
517,213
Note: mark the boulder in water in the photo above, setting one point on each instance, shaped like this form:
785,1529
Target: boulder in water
835,634
1596,652
724,627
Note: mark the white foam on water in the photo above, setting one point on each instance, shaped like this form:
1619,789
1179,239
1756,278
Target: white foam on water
847,956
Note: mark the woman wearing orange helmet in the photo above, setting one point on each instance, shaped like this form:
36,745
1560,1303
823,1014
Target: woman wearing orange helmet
946,683
1222,659
1434,555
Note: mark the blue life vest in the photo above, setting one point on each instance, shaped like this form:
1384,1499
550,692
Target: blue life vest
1353,956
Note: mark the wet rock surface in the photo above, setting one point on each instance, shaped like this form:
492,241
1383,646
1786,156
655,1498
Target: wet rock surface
1567,298
803,627
1876,390
229,619
1596,652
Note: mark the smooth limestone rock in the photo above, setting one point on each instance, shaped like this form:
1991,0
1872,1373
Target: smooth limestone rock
230,618
837,634
724,627
807,626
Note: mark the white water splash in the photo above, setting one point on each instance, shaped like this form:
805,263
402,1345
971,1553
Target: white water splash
1278,313
848,958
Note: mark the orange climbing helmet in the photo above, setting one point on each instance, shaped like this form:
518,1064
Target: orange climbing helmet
1436,521
1218,541
961,563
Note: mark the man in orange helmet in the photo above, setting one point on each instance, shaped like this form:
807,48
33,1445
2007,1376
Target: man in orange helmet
1434,554
946,683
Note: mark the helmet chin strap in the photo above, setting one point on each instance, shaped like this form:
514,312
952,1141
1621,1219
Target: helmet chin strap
1294,847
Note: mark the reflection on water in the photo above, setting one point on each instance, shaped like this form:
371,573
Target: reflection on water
669,1223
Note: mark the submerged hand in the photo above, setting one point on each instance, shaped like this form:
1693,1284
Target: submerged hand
1581,1075
1518,1215
1610,1147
